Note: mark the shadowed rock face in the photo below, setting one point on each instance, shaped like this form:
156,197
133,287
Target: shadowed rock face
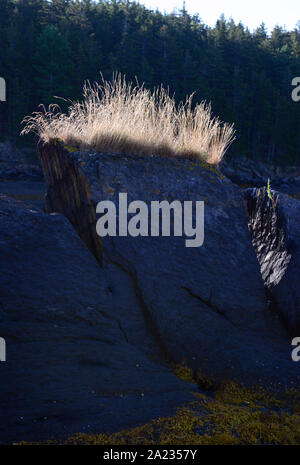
80,357
88,346
205,305
275,229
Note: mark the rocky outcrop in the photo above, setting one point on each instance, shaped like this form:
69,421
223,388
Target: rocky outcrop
28,191
18,164
68,192
253,173
91,337
274,224
80,356
13,171
206,305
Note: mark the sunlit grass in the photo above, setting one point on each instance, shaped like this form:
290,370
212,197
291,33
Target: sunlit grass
122,118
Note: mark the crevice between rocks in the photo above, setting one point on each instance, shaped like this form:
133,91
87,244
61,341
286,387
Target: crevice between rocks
208,304
165,357
267,227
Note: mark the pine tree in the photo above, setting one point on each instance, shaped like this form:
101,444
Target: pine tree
53,66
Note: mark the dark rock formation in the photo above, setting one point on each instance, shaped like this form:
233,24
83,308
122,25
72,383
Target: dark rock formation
18,164
68,192
80,357
89,347
13,171
206,305
275,228
29,191
253,173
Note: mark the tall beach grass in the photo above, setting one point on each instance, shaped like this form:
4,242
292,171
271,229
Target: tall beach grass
120,117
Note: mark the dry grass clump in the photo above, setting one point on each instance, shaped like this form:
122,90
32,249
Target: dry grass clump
119,117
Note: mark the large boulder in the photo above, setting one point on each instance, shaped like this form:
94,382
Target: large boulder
274,222
80,356
206,305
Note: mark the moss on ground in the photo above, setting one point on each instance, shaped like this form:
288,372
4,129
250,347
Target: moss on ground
182,371
230,414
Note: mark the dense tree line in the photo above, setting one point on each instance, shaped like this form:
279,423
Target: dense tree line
49,48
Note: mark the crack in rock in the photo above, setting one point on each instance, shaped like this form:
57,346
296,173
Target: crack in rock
208,304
